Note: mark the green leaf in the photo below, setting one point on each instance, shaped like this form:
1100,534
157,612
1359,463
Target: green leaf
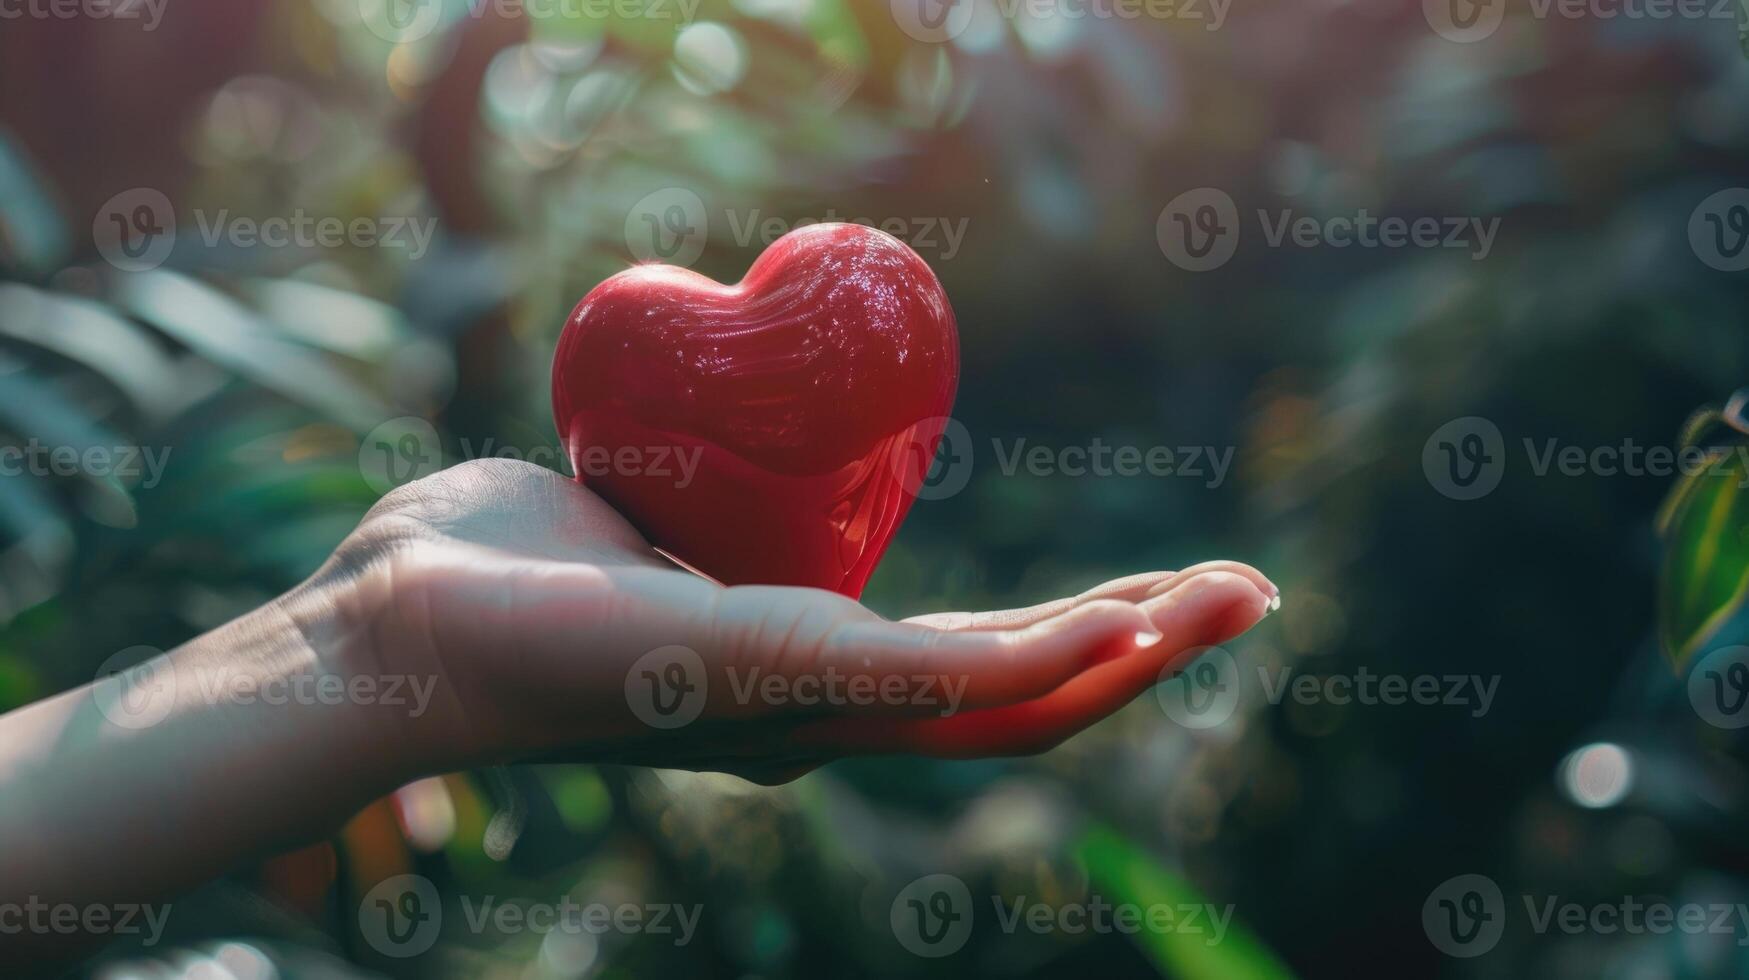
1125,873
33,235
92,335
1706,555
36,410
231,335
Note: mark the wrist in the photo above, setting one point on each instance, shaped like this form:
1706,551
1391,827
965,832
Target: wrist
293,703
234,736
357,687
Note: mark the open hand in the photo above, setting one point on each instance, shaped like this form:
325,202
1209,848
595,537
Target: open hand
556,630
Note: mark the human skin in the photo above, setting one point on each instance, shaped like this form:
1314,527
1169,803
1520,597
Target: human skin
521,601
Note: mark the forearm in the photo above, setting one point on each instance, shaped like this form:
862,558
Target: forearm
132,789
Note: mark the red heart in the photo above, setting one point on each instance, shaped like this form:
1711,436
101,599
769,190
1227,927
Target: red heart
807,399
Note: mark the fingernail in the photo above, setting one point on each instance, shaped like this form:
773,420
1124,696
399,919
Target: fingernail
1147,638
1274,604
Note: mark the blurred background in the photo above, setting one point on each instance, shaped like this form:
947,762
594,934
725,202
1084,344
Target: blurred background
1064,168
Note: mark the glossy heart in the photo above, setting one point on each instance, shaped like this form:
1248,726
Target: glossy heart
773,431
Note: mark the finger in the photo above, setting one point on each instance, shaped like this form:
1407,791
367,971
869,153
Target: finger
917,670
1131,588
771,651
1257,578
1212,608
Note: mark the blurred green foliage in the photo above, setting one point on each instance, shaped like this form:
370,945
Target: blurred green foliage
1323,826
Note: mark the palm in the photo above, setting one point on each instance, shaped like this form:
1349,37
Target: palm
536,601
